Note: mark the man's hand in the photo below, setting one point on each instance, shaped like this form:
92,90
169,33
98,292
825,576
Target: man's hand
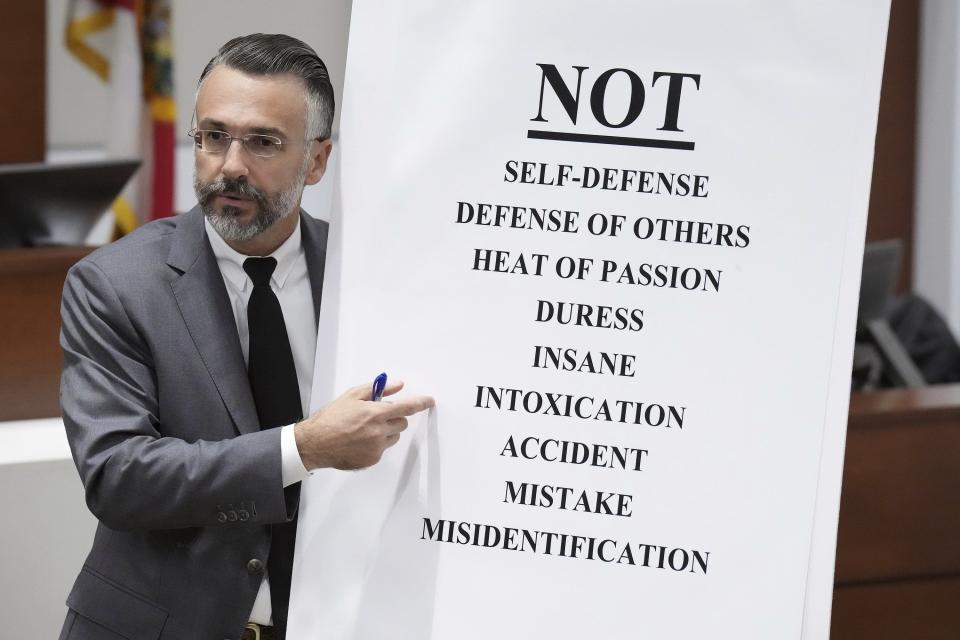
352,432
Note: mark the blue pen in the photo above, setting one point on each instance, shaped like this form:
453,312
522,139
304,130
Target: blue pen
379,384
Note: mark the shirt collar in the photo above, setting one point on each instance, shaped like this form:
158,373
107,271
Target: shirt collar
230,260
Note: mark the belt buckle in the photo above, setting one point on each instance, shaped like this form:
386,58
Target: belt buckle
253,626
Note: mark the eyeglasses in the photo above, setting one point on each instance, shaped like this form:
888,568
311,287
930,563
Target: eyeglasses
214,141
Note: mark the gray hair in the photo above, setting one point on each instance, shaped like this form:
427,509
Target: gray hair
273,54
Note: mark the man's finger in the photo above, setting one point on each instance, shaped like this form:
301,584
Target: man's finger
408,406
392,387
396,425
359,392
392,440
365,391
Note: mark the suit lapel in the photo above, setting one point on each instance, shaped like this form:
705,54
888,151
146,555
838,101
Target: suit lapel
205,307
314,234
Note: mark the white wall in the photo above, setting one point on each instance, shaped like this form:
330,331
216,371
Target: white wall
47,529
77,99
936,266
47,532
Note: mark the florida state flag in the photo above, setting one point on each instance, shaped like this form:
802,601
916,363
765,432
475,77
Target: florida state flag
127,43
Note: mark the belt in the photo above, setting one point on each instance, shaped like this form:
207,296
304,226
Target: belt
254,631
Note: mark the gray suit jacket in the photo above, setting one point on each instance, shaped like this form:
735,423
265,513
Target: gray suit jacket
164,433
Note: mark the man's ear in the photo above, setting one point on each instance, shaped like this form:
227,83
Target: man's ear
319,155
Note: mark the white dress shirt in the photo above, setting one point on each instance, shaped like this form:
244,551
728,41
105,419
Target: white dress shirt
291,284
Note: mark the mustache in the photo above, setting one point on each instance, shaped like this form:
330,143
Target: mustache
212,189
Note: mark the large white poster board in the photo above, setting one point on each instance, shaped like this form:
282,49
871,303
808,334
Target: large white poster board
619,243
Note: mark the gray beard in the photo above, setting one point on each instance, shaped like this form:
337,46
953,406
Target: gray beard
270,207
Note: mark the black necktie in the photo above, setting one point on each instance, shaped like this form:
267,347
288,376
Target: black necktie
273,380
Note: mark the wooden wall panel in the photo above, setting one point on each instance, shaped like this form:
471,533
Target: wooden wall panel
897,611
898,557
23,106
891,195
31,281
900,510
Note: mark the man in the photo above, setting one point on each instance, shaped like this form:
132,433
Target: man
189,351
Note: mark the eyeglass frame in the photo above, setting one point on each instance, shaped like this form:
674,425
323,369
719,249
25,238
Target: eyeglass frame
244,139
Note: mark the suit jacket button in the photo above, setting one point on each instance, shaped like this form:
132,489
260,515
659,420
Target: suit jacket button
221,516
243,515
255,567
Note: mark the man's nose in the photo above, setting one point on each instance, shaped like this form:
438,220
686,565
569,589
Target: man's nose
235,160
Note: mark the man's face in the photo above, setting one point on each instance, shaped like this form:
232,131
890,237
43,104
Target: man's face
240,193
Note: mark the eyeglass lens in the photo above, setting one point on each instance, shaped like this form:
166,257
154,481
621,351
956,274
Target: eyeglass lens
213,141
